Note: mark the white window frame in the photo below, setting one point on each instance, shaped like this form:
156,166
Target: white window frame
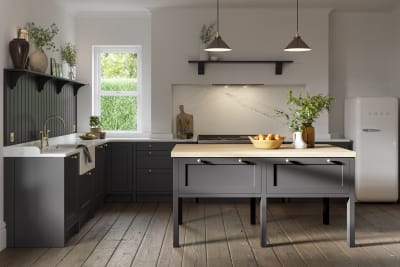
97,93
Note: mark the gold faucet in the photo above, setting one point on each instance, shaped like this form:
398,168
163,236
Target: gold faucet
44,135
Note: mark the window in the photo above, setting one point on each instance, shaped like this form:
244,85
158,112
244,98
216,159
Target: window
117,87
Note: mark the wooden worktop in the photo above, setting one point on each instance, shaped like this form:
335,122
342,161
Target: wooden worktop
248,150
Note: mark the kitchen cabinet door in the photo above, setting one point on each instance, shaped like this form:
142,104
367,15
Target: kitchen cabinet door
100,175
121,180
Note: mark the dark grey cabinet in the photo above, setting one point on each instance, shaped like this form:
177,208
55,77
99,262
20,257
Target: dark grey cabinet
121,181
154,171
85,196
100,174
41,200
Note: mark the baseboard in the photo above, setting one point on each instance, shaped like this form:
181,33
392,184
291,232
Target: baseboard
3,236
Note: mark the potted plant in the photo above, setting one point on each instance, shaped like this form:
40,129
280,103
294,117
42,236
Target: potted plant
303,111
206,34
95,125
68,55
42,38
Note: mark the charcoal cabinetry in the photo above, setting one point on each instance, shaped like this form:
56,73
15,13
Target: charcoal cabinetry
100,174
42,208
153,171
121,181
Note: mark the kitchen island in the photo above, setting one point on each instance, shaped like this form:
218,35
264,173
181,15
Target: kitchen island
242,171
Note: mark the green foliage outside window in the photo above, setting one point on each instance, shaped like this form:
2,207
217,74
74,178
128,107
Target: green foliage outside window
119,73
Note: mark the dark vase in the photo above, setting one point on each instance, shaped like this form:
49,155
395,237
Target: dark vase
19,49
309,135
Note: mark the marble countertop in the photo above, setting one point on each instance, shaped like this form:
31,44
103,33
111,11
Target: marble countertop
248,150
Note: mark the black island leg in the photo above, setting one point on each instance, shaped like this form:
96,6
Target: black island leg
252,210
325,210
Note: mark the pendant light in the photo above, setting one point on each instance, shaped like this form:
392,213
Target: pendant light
297,44
218,45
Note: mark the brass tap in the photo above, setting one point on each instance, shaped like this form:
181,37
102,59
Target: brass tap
44,135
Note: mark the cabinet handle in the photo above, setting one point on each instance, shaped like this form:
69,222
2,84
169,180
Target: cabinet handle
288,161
200,161
150,153
89,173
101,147
74,157
241,161
334,162
150,146
149,171
105,145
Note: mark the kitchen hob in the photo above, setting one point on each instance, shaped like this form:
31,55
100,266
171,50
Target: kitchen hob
224,139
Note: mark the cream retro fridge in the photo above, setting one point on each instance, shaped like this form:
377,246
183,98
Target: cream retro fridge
373,125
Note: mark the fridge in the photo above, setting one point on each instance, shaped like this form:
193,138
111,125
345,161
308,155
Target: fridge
373,125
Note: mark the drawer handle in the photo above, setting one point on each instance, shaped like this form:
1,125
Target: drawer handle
200,161
150,146
335,162
241,161
101,147
150,153
89,173
74,157
293,162
105,145
149,171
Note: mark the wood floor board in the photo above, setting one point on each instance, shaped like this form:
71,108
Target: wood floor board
106,247
219,233
239,247
265,257
129,245
150,247
218,253
194,247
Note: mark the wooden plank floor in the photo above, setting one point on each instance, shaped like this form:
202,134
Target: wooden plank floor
218,233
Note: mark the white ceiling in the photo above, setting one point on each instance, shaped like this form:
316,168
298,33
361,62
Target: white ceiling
77,6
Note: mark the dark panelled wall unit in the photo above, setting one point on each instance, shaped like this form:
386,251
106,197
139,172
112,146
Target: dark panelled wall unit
26,108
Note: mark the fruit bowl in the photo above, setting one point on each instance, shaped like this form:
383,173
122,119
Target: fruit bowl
87,136
267,144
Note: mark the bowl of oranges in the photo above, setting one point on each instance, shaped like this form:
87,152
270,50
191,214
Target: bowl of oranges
269,141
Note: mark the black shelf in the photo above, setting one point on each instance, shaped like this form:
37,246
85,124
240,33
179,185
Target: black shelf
11,77
278,64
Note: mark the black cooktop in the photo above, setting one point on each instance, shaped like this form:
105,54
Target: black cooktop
224,138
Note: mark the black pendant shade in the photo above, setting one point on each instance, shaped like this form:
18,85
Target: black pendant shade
218,45
297,44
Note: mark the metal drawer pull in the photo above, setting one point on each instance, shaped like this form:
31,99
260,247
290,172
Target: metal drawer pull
150,145
150,153
293,162
245,162
89,173
200,161
149,170
335,162
74,157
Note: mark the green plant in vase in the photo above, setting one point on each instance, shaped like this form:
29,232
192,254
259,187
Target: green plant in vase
95,125
303,111
68,55
207,32
43,39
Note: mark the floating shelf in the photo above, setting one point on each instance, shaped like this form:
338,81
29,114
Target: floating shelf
11,77
278,64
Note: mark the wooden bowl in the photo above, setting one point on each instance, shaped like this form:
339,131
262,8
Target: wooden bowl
85,137
266,144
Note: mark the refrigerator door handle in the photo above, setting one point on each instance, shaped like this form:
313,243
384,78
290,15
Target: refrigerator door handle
371,130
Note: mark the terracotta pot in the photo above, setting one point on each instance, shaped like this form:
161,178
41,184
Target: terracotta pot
19,49
38,61
309,135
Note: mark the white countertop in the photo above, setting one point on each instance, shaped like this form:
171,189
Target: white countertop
64,146
248,150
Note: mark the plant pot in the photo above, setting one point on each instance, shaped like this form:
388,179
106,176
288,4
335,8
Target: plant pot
38,61
64,69
19,50
96,131
203,54
309,135
298,140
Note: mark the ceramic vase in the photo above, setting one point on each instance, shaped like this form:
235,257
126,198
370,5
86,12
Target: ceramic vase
65,70
19,49
298,140
38,61
309,135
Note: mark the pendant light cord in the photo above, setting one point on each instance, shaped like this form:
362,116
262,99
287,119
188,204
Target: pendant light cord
217,16
297,16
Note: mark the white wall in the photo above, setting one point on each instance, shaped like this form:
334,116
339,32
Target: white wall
253,34
15,14
362,59
131,28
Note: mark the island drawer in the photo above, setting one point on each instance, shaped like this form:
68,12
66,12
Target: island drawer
154,159
308,176
211,177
